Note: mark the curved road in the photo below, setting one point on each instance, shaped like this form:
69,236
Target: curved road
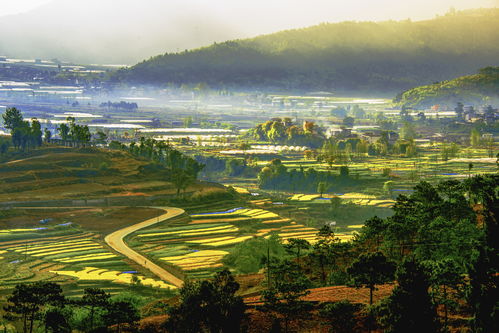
115,240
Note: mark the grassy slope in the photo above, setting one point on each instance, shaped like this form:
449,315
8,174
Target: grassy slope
476,89
66,173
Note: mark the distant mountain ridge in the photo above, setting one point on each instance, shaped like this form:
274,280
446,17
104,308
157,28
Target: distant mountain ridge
477,89
349,56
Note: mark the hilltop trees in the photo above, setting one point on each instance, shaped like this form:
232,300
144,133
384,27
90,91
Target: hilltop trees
275,176
24,134
120,105
476,89
76,134
284,131
182,169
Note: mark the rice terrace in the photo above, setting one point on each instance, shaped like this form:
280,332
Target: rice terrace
299,167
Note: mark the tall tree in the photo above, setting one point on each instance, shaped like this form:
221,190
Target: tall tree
296,245
28,300
409,308
321,188
47,135
445,279
341,316
12,118
287,287
63,130
370,270
484,271
120,313
209,305
36,132
94,299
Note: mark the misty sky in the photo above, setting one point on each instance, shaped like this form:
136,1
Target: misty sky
291,13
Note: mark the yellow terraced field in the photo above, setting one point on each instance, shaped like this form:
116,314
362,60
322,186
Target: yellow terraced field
193,232
72,248
209,240
94,274
253,213
304,197
10,231
90,258
197,260
229,241
51,245
94,247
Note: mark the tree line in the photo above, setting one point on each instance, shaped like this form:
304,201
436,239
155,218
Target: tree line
25,134
37,306
130,106
182,169
284,131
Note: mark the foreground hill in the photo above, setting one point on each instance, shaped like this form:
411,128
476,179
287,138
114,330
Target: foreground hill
53,173
475,89
354,56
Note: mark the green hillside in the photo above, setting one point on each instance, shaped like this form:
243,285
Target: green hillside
348,56
481,88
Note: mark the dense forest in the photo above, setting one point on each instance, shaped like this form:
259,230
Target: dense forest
348,56
481,88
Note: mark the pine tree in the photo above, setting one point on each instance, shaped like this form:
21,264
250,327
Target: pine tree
409,309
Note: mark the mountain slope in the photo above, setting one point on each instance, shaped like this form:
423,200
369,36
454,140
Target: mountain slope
472,89
359,56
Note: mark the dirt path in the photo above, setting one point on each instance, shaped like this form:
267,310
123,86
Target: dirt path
26,159
115,241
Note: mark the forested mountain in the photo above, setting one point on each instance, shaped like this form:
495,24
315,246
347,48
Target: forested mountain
481,88
349,56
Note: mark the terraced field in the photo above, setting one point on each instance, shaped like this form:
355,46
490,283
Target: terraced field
354,198
196,245
68,255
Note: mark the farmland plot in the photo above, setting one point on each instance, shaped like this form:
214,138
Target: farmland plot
196,246
75,258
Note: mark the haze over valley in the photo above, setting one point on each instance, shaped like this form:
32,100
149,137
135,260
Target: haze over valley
267,166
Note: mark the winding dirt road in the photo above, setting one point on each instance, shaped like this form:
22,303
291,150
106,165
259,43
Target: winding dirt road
115,240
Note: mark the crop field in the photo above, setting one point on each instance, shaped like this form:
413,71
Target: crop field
97,274
197,245
354,198
404,172
69,255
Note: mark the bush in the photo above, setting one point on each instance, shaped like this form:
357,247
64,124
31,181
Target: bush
250,256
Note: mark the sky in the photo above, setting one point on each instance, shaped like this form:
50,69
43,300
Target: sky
303,12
